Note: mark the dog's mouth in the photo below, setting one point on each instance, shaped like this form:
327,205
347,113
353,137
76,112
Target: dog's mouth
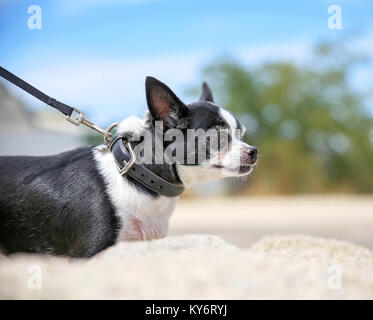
241,170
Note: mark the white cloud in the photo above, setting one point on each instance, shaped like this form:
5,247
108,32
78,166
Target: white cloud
292,51
113,88
365,44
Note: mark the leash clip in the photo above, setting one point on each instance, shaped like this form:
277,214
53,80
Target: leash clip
80,119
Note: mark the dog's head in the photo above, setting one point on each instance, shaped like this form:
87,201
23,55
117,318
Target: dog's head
203,139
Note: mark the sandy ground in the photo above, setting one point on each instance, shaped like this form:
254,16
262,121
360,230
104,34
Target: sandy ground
288,265
198,267
243,221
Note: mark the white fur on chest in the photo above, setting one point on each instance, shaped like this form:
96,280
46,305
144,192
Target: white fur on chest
141,216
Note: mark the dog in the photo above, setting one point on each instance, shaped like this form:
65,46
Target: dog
77,204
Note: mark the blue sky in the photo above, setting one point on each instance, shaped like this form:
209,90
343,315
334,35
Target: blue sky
95,54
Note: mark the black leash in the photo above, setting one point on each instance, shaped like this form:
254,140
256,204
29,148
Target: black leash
121,150
65,109
73,115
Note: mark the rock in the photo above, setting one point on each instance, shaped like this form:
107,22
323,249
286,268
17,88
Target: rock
197,267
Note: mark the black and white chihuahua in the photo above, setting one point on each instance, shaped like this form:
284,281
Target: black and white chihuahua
76,203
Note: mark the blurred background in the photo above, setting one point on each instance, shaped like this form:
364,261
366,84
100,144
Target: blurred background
299,78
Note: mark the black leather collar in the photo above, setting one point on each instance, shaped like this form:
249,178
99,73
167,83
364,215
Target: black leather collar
125,160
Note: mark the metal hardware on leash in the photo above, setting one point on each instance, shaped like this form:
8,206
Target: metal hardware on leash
73,115
80,119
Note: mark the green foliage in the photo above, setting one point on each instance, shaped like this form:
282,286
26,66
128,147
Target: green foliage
310,126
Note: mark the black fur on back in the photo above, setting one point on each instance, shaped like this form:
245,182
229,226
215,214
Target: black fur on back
55,204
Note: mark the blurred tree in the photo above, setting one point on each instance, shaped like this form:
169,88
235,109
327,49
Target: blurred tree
310,125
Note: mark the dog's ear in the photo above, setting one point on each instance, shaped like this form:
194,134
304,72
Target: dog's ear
163,104
206,93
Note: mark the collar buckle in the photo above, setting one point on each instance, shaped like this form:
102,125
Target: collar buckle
127,165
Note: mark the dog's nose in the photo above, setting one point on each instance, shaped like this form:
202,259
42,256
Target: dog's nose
252,155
